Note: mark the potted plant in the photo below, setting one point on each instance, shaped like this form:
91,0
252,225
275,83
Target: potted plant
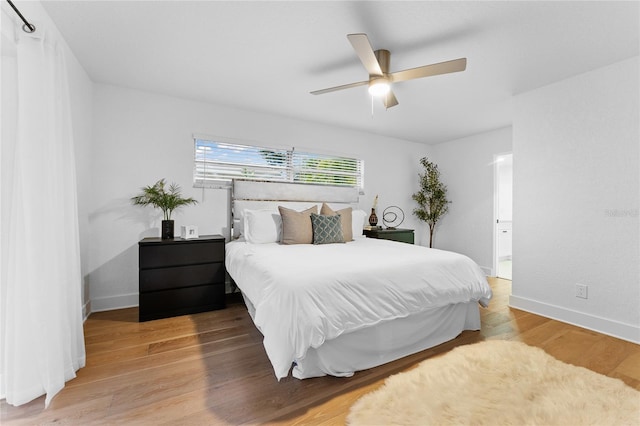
165,200
432,197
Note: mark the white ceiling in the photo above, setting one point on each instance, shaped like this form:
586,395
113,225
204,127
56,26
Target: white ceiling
267,56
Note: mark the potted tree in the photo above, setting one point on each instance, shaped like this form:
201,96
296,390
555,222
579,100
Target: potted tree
165,200
432,197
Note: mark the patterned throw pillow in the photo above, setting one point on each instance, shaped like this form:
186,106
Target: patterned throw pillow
326,229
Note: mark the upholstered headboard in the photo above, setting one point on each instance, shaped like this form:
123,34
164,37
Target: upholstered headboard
258,195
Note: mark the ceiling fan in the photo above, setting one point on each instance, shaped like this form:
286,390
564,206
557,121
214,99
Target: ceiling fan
377,65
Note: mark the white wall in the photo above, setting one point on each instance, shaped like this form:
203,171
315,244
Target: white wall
140,137
467,169
576,198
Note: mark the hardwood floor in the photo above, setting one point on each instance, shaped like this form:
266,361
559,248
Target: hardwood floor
211,369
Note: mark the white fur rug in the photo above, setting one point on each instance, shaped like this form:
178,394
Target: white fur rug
498,383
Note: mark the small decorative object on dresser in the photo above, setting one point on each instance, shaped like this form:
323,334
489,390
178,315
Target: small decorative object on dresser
167,201
189,232
178,277
392,217
373,219
396,234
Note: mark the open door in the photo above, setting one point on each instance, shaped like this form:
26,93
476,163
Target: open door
503,224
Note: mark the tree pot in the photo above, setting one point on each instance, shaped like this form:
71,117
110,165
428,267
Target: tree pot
167,229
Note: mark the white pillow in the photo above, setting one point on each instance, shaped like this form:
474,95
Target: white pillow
262,226
357,223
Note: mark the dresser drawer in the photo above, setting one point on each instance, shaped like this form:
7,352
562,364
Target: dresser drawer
190,300
401,235
181,276
154,256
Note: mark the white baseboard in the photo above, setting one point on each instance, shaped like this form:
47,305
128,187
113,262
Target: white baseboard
86,310
121,301
488,271
606,326
100,304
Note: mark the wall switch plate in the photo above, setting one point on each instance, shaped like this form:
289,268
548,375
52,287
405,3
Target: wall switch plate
581,291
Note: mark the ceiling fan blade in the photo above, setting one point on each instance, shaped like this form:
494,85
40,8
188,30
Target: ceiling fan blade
344,86
390,100
361,45
455,65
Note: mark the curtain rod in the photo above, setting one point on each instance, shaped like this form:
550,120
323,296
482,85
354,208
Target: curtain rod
27,27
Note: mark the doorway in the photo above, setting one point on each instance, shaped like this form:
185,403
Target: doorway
503,176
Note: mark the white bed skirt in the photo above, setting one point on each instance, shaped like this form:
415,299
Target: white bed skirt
386,342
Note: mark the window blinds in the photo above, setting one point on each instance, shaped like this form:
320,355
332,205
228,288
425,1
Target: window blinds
216,163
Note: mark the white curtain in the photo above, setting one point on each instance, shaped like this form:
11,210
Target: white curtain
42,341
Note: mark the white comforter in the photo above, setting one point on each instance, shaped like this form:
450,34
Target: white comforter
306,294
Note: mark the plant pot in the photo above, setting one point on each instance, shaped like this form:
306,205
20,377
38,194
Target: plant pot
167,229
373,219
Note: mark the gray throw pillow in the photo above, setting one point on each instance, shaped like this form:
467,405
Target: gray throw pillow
326,229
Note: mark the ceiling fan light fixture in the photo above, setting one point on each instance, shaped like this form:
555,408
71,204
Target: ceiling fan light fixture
379,87
376,63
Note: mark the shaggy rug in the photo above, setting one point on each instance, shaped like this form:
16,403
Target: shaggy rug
498,383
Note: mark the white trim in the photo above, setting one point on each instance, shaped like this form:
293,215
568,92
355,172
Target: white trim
487,271
606,326
86,311
494,240
114,302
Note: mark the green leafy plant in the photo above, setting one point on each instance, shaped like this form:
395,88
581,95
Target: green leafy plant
166,200
431,198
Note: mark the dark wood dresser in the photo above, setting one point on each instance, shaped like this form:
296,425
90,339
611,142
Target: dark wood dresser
178,276
398,234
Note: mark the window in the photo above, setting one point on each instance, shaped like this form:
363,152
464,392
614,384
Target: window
216,163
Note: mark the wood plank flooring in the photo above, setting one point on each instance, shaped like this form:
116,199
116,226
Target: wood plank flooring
211,369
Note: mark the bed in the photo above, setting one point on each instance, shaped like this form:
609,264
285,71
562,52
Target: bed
333,309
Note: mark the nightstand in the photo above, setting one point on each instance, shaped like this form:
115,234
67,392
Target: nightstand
398,234
178,276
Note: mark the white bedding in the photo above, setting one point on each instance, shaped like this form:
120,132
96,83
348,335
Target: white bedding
306,294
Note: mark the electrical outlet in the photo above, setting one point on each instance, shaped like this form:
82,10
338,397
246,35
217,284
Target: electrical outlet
581,291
